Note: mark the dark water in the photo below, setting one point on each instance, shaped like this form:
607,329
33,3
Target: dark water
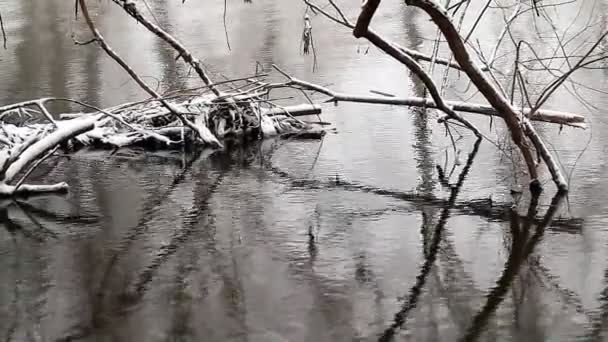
355,237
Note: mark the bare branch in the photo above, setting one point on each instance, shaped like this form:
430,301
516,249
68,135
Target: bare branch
362,30
556,117
202,131
510,115
225,27
341,21
337,8
131,9
3,31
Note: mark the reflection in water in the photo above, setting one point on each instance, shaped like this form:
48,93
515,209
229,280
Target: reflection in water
178,274
431,254
173,77
523,243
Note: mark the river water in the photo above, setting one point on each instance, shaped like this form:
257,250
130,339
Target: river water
352,237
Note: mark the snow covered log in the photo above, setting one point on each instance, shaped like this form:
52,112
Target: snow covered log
33,150
26,140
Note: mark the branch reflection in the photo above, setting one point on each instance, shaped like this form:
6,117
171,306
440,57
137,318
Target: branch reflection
431,256
522,246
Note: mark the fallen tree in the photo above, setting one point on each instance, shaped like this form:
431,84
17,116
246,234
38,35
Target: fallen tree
147,123
204,116
482,77
214,112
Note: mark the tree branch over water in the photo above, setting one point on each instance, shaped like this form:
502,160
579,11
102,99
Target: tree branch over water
523,133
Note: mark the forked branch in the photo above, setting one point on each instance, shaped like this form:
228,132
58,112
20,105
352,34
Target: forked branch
519,126
522,132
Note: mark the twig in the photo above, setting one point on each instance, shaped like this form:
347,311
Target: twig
151,12
483,11
3,31
226,28
33,167
131,9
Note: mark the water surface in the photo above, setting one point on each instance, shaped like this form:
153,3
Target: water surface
355,237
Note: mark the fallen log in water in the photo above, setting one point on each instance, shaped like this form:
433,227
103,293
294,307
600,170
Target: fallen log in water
25,144
29,150
209,114
159,123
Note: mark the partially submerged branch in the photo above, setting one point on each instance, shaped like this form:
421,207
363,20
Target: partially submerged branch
16,160
24,147
550,116
459,50
522,132
518,121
